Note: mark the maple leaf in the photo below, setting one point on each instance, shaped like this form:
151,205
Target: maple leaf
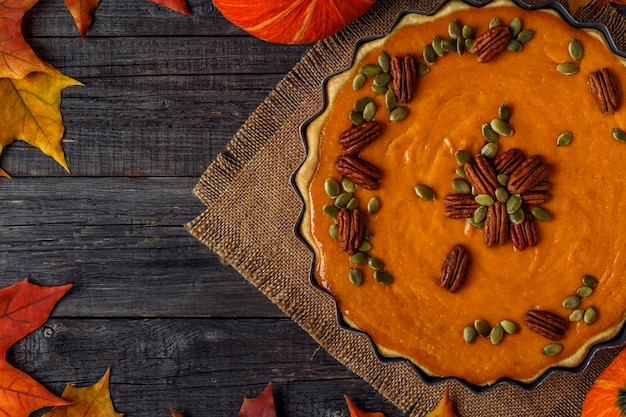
30,111
602,3
24,307
357,412
177,5
261,406
444,408
92,401
174,412
82,11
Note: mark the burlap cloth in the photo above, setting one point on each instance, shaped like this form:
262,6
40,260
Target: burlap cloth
251,211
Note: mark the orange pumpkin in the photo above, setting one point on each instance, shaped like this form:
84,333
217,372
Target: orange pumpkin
292,21
607,396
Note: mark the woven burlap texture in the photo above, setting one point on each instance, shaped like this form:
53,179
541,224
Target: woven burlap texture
251,211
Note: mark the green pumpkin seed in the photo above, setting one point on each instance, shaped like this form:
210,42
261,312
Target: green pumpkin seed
460,171
358,81
480,214
513,203
382,79
424,192
467,32
482,328
541,214
358,258
348,185
590,281
584,291
571,301
355,277
575,49
333,231
454,29
469,43
514,46
462,156
390,100
503,180
353,204
331,187
515,26
496,334
489,134
502,195
619,135
422,69
369,111
398,114
494,22
370,70
436,44
330,210
590,315
460,45
375,263
343,199
429,54
383,277
504,112
360,104
517,217
379,89
552,349
469,334
461,186
449,45
490,150
484,199
525,35
577,315
367,234
364,246
474,223
356,117
384,61
567,68
564,139
508,326
501,127
373,206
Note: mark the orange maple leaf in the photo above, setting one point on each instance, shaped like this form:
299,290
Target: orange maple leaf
30,111
357,412
24,307
261,406
82,11
17,59
444,408
92,401
177,5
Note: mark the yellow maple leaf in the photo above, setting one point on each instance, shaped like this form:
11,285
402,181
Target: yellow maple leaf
444,408
30,110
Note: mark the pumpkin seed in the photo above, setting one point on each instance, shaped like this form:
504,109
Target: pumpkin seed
353,204
469,334
525,35
503,180
461,186
494,22
508,326
504,112
370,70
436,44
501,127
462,156
398,114
489,134
358,258
330,210
571,301
360,104
358,81
383,277
356,117
429,54
390,100
343,199
449,45
590,281
564,139
567,68
584,291
331,187
364,246
482,328
496,334
454,29
515,26
384,61
469,43
348,185
517,217
373,206
460,171
619,135
480,214
502,195
474,223
513,203
333,231
367,234
490,150
460,45
590,315
369,111
422,69
577,315
355,276
484,199
514,46
379,89
382,79
467,32
424,192
375,263
575,49
552,349
541,214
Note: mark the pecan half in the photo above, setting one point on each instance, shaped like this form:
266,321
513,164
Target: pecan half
454,269
481,175
404,77
359,136
528,174
361,172
489,44
547,324
350,229
507,162
539,194
459,206
524,234
496,230
603,86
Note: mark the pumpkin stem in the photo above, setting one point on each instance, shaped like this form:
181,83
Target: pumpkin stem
621,401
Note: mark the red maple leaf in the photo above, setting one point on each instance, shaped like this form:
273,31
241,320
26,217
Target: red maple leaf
82,11
24,307
176,5
357,412
261,406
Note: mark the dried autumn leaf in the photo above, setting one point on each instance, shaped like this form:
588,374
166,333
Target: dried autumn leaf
82,11
177,5
92,401
357,412
574,5
261,406
444,408
602,3
24,307
30,111
174,412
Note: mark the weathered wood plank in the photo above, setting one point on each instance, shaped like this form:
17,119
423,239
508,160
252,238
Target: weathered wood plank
201,367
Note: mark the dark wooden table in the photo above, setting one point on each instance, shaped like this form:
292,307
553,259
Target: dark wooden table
164,93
